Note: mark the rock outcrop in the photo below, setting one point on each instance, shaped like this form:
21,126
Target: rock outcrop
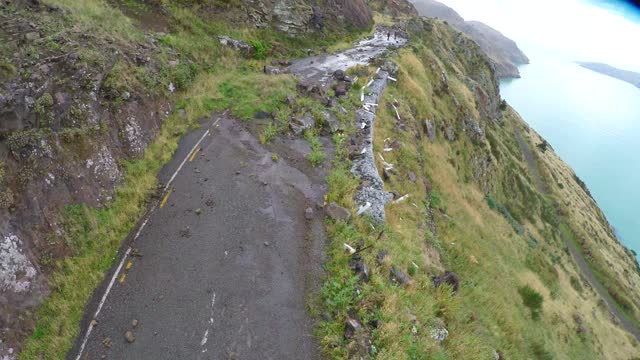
297,17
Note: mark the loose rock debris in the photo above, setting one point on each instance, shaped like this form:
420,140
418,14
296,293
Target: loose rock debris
129,336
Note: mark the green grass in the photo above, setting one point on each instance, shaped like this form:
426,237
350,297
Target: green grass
531,299
97,16
317,155
269,133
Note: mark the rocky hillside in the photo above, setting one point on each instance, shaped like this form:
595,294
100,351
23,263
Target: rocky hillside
502,51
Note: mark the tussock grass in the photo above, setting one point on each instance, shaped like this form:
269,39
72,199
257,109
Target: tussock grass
317,155
99,16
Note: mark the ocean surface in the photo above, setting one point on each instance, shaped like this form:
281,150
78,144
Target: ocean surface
593,123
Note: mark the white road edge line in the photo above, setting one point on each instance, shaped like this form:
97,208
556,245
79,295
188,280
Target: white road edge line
124,258
185,159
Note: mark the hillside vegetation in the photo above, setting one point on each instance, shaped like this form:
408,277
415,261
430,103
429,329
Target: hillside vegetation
477,207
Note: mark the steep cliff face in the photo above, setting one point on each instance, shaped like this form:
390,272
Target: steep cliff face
502,51
297,17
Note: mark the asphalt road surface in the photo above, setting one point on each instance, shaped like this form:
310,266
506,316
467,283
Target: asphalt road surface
226,263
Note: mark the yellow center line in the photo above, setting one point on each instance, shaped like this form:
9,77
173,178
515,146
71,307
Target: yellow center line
122,277
193,156
166,197
129,265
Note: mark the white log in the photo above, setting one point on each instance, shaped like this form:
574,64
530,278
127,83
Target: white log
397,114
363,208
349,249
403,198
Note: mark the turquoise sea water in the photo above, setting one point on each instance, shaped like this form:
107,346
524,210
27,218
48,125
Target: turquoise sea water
593,123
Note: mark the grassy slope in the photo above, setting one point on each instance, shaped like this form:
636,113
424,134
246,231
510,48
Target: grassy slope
494,253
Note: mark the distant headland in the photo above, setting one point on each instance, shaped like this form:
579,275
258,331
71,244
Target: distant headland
624,75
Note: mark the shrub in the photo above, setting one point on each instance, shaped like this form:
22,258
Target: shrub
539,351
531,299
42,108
260,49
23,139
7,70
543,146
503,105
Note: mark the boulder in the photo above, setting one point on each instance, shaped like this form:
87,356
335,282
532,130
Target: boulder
317,19
299,124
272,70
412,176
382,254
398,276
244,48
450,132
340,89
129,336
332,123
337,212
351,327
449,277
386,175
280,62
473,126
260,114
339,75
310,88
439,333
430,129
361,269
308,213
390,67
